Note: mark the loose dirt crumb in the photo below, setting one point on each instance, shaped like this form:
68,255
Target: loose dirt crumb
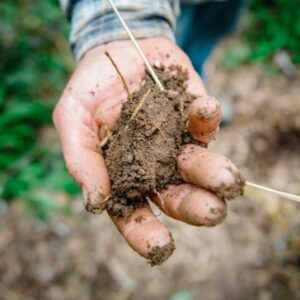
139,219
230,192
158,255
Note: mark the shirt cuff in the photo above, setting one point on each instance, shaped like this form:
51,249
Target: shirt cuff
94,23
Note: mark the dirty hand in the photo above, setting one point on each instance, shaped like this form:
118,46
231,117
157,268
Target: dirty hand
92,102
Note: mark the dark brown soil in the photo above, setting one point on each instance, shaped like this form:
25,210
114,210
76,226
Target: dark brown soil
141,156
158,255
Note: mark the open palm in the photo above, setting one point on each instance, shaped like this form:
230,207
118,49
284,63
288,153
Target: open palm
91,103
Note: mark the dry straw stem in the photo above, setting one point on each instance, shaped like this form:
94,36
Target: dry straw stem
104,141
136,110
120,74
138,48
108,136
273,191
139,106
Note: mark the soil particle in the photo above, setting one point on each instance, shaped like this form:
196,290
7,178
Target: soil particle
94,202
139,219
141,156
218,215
230,192
157,255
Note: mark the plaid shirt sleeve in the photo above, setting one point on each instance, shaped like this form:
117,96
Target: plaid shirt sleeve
93,22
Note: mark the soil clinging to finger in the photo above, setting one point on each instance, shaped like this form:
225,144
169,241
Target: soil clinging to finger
158,255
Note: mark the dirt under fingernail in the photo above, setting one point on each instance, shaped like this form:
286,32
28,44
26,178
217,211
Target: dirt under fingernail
159,254
94,202
232,191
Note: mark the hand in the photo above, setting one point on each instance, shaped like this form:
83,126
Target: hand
92,101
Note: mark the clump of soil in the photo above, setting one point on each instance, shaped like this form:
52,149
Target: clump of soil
141,156
157,255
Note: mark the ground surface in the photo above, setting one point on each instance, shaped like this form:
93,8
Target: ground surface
254,254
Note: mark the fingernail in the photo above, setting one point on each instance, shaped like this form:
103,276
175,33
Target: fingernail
209,109
233,186
94,201
159,254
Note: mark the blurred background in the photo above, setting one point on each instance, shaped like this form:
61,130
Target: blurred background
50,248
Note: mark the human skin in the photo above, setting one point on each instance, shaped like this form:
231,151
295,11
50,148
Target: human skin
91,103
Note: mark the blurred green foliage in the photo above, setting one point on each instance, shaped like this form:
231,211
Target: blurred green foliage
273,25
183,294
34,66
270,26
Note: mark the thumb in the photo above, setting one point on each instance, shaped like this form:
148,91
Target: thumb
80,144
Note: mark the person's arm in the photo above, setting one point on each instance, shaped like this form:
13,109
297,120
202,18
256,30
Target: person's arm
93,22
93,98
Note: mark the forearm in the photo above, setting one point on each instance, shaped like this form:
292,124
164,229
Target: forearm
94,23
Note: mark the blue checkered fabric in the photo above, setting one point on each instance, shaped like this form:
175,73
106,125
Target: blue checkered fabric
93,22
